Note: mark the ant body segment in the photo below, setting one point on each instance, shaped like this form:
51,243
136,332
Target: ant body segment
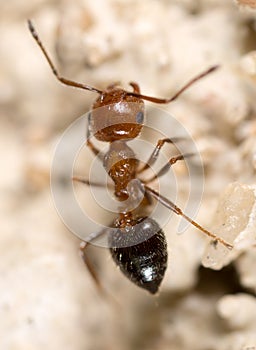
137,243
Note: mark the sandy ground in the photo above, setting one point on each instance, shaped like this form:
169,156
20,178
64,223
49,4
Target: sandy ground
207,299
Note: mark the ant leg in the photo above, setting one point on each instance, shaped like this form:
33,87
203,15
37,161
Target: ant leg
87,182
89,144
94,149
167,166
53,68
83,250
90,268
87,262
179,92
153,157
135,87
169,204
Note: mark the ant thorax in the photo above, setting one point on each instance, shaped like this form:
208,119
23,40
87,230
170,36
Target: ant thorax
121,164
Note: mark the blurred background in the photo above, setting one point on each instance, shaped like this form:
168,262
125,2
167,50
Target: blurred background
48,299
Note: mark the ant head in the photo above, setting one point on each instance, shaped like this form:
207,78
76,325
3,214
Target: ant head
116,115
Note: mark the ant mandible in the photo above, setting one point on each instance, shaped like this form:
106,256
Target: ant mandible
137,243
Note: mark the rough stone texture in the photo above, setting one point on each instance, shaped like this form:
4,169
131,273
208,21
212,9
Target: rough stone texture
48,300
235,221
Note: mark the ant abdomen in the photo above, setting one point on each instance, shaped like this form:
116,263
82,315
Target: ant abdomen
140,251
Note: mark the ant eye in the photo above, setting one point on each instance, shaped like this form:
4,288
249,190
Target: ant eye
139,117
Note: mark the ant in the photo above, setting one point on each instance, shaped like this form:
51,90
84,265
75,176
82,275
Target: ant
136,242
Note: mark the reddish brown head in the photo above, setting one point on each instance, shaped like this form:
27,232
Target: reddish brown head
116,115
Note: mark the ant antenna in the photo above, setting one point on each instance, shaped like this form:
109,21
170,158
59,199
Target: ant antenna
179,92
54,70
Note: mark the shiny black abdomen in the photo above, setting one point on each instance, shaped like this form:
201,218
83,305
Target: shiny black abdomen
141,253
